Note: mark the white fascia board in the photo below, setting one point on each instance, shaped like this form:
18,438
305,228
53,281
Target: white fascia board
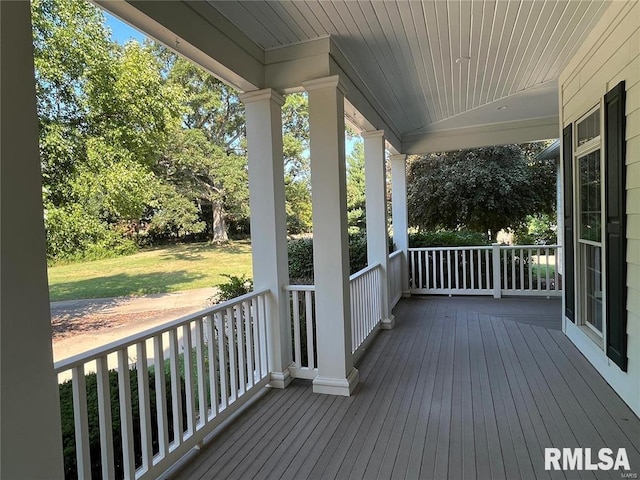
481,136
199,33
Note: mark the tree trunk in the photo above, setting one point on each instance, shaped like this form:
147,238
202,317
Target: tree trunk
219,224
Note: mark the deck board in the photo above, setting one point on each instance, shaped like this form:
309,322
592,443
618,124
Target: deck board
461,388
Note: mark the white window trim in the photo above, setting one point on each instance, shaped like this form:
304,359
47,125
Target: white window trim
579,151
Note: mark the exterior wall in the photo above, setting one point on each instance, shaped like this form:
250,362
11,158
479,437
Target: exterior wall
612,54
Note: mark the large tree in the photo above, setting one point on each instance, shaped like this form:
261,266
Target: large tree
484,189
135,139
105,115
356,213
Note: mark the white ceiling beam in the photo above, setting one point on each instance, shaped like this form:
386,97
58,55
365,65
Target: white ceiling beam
372,113
199,33
481,136
287,68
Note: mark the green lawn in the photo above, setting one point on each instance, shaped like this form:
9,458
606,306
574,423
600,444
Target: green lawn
157,270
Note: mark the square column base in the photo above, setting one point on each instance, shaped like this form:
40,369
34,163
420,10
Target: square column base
280,379
388,323
337,386
406,293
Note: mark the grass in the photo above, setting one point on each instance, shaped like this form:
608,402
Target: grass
157,270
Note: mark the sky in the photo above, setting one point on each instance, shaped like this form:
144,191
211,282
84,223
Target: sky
121,32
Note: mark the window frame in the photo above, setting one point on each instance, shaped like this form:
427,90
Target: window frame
580,151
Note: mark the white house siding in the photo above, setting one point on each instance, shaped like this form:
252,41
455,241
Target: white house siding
612,54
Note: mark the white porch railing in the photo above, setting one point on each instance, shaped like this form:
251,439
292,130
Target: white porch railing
302,312
485,270
366,314
530,270
395,278
366,307
175,384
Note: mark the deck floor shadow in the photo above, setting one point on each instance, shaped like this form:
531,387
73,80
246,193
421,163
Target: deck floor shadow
461,388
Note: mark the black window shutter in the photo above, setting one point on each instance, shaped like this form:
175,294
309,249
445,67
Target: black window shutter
567,278
616,246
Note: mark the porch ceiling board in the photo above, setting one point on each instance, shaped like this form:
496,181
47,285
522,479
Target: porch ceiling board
460,388
406,52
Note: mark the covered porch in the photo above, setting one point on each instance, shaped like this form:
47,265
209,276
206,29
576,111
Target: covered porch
434,387
460,388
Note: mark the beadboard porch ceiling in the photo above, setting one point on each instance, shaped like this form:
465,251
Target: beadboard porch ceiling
440,64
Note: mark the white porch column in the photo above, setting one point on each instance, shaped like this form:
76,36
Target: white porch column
30,436
376,208
269,221
399,214
336,374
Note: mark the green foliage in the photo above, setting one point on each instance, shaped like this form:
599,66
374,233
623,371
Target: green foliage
172,215
540,229
112,185
205,173
301,257
74,235
234,287
300,253
446,238
356,189
295,143
298,205
146,144
357,252
68,429
482,189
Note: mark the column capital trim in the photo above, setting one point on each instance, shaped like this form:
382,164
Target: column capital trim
373,134
260,95
325,82
399,156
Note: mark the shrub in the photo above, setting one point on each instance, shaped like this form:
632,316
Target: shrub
233,288
445,238
68,429
300,253
357,252
301,257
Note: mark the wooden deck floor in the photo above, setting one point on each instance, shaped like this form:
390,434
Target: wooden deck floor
461,388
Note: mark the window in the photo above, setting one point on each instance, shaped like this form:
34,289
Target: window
588,167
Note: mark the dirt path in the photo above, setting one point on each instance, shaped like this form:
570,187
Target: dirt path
81,325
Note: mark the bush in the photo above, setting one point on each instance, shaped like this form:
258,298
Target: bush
301,257
301,260
445,238
233,288
68,429
357,252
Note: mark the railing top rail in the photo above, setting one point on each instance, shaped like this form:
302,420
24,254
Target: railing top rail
529,247
432,249
483,247
395,254
364,271
299,288
82,358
